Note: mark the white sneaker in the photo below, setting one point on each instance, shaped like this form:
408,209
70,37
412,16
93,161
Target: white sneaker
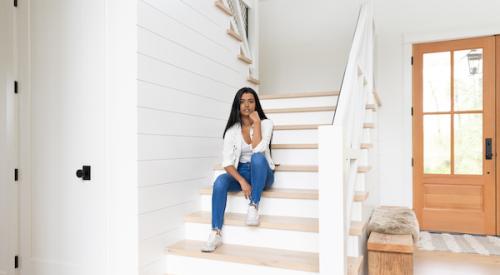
252,215
214,241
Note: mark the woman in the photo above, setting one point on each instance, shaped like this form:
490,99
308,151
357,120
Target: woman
246,159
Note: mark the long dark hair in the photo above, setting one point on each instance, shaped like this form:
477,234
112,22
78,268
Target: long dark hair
235,115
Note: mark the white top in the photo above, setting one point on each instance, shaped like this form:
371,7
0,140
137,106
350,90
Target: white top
232,144
246,151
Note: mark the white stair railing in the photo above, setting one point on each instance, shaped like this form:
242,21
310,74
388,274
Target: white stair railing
239,21
339,148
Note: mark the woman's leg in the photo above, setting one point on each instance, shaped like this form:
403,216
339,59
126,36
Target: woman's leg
223,184
262,177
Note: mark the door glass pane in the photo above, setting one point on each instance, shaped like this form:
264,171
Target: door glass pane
437,144
437,83
468,79
468,130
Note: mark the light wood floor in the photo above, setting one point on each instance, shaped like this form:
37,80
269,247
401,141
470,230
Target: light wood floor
444,263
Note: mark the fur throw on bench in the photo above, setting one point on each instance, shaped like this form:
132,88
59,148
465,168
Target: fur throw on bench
395,221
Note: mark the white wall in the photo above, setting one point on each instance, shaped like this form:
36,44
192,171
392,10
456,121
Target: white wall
304,44
399,24
188,73
8,188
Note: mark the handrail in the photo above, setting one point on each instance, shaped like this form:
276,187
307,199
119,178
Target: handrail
237,21
339,147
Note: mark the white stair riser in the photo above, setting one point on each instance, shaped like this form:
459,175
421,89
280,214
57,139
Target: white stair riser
320,101
267,206
180,265
295,137
357,211
364,157
301,118
360,182
353,245
369,116
256,236
366,137
294,180
296,156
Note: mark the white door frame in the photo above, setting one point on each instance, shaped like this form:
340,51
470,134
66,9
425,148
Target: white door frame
121,137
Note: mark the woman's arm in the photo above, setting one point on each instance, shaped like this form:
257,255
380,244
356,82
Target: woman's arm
265,133
257,132
245,187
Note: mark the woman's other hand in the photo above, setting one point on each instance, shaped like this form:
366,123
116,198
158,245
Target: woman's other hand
246,188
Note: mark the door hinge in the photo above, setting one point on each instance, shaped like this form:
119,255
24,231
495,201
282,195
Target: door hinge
16,87
16,174
15,3
412,162
412,60
16,262
411,111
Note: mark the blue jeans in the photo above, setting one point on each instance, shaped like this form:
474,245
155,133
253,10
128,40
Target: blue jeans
256,172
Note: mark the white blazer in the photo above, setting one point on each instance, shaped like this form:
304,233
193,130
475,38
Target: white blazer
232,144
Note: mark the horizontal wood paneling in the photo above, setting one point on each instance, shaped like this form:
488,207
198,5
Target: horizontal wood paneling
188,73
155,71
160,222
155,21
152,147
159,122
152,250
159,197
168,171
174,53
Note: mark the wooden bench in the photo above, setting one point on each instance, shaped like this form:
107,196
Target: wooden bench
390,254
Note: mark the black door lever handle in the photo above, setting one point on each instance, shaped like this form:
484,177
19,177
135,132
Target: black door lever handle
84,173
489,149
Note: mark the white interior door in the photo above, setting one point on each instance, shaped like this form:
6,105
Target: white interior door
8,142
65,217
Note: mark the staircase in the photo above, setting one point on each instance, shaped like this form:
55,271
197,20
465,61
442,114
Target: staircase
288,238
287,241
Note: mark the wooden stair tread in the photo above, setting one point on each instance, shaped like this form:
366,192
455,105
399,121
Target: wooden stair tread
295,146
356,228
354,265
360,196
223,7
300,110
364,169
234,35
298,95
266,221
390,243
366,145
253,80
278,258
298,127
368,125
372,107
283,193
245,59
286,168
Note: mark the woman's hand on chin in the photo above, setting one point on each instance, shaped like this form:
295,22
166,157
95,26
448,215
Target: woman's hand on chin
254,116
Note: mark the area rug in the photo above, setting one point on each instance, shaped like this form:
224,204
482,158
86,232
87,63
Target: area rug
459,243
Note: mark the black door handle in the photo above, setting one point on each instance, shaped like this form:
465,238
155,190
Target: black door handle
489,149
84,173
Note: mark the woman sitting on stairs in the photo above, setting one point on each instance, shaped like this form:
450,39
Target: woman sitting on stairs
246,159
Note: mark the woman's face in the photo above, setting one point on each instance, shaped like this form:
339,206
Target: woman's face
247,104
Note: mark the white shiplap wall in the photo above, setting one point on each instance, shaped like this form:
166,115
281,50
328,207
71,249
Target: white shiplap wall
188,73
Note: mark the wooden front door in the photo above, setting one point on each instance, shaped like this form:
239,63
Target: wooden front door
454,135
